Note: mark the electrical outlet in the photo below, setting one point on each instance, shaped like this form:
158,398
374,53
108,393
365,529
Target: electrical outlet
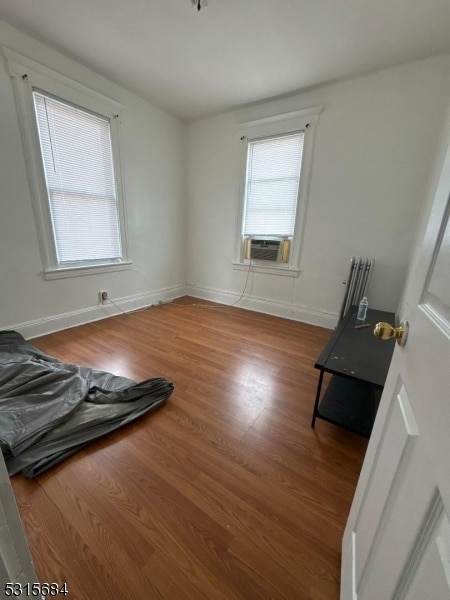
103,296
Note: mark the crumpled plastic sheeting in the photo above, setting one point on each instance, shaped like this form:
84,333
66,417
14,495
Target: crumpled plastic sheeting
49,410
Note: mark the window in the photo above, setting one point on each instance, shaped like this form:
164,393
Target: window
72,148
273,201
272,184
77,156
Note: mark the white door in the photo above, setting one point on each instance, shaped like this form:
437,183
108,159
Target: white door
396,543
16,567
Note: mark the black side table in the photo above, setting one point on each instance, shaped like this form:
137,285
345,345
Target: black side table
359,364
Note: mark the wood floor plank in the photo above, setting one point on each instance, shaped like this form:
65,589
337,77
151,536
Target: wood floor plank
225,493
224,506
254,478
171,581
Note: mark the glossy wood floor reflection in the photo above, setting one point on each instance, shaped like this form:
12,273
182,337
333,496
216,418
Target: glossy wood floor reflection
225,493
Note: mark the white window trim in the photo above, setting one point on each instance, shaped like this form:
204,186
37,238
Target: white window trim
26,75
306,120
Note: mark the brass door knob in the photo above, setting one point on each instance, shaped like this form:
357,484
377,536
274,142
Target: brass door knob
385,331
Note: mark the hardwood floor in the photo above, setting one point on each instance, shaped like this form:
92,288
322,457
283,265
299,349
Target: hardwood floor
224,493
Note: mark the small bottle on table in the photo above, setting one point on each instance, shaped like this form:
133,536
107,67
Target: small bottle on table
362,313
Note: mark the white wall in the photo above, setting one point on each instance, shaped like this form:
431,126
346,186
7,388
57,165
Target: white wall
376,140
375,144
153,145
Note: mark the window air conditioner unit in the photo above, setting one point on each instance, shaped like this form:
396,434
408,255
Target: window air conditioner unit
271,249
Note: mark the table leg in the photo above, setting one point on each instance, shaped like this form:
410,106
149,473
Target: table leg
316,404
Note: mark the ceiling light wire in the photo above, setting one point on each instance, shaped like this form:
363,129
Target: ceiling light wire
199,4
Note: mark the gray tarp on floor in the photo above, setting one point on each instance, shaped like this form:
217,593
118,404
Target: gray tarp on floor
49,410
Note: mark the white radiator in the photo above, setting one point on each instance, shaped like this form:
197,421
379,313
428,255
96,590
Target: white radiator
357,283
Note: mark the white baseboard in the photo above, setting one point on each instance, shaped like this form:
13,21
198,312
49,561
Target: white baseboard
45,325
50,324
305,314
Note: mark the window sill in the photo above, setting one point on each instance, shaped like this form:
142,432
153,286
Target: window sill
65,272
268,269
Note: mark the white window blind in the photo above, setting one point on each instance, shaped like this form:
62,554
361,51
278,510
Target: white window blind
78,164
272,184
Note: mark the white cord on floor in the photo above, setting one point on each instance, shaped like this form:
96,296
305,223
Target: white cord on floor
187,305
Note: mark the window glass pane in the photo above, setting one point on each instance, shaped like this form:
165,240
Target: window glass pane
437,296
78,165
272,184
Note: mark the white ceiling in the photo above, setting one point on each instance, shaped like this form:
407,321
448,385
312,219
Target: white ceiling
233,52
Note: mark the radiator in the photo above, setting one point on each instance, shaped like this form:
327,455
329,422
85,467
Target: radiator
357,283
